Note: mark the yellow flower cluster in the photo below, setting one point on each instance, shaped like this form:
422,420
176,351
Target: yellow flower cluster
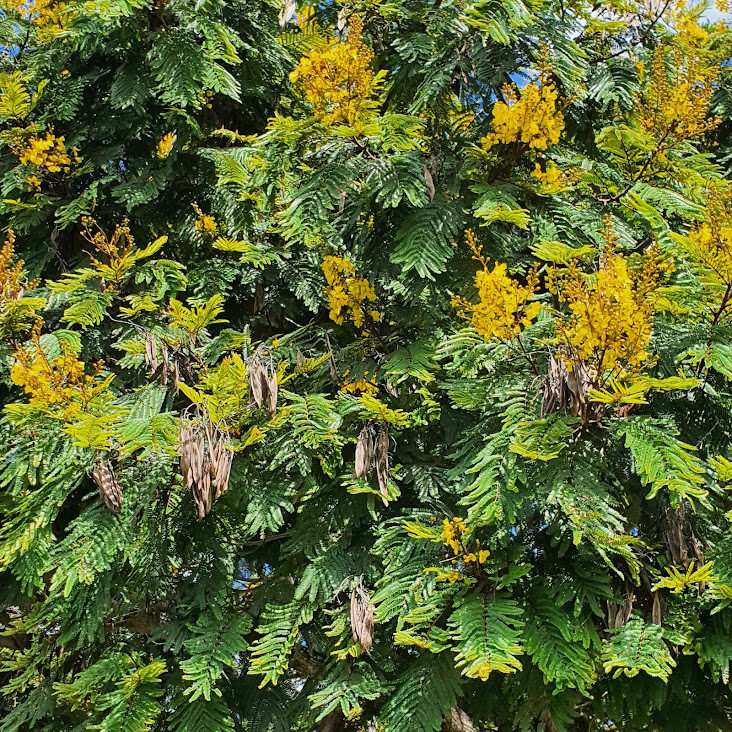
709,244
363,385
204,223
504,306
549,177
674,107
47,153
531,118
16,309
49,17
346,293
61,382
13,284
337,79
453,531
609,326
165,145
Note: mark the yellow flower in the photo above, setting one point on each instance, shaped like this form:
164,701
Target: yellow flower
346,293
49,16
504,306
549,177
33,183
531,118
337,79
61,382
165,145
610,314
363,385
48,153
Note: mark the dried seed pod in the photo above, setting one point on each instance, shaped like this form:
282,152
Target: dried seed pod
362,618
224,458
657,612
300,358
257,383
205,459
286,12
272,392
109,489
364,453
429,182
332,366
166,365
381,458
151,351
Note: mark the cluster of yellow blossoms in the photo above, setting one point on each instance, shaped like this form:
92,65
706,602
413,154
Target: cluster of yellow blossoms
13,283
504,306
364,385
165,145
337,79
549,177
48,16
609,326
16,309
531,118
453,537
47,153
709,244
204,223
347,294
61,382
675,107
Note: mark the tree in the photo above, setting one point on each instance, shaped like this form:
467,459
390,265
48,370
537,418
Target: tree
365,366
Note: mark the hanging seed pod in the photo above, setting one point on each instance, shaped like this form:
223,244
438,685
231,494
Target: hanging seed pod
151,351
362,618
272,392
429,182
183,448
657,612
196,461
259,298
205,460
257,378
109,489
166,365
381,457
364,453
222,466
176,376
287,10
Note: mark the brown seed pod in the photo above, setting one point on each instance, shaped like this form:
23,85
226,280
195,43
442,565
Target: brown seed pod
106,481
272,392
257,383
364,453
205,460
362,618
657,612
151,351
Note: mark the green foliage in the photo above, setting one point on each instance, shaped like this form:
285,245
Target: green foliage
360,402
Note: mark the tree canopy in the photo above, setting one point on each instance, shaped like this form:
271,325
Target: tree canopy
365,366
